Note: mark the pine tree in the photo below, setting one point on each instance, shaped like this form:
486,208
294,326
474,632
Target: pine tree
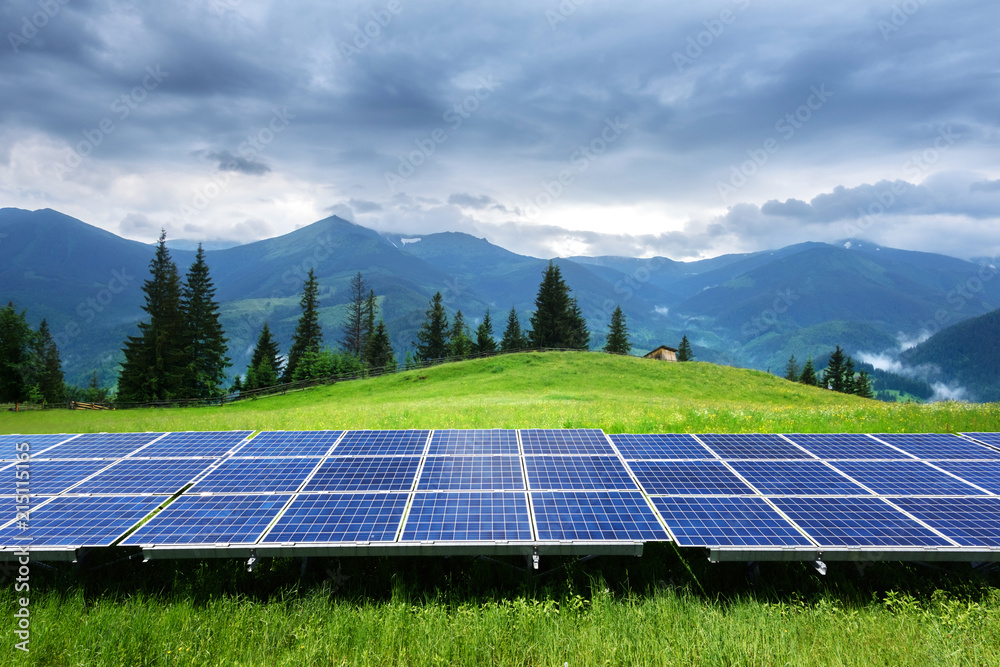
371,312
578,337
16,358
308,336
849,386
379,353
265,363
863,385
460,341
95,392
513,338
618,342
51,382
356,320
833,376
485,343
155,365
792,371
432,339
684,352
557,321
205,341
808,376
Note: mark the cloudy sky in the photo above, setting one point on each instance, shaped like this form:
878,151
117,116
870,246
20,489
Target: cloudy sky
550,128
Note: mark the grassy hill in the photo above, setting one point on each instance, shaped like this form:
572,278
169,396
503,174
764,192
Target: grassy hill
545,390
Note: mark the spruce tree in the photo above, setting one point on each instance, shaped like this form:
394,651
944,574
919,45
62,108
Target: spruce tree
833,376
51,382
863,385
618,342
578,337
432,339
792,371
485,343
155,366
16,346
205,341
460,341
379,353
849,386
808,376
684,352
265,363
371,312
355,323
557,321
308,336
513,338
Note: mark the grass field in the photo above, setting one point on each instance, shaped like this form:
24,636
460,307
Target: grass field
669,607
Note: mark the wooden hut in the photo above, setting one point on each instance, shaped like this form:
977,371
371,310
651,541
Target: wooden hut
662,353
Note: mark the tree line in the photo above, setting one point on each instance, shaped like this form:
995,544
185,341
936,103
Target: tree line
839,375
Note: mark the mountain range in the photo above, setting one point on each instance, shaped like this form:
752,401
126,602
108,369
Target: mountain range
753,310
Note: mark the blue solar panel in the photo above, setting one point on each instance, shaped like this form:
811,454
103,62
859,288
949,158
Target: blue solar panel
660,446
471,473
929,446
989,438
473,443
734,446
727,522
577,473
33,445
237,519
577,442
796,478
699,478
134,476
467,517
101,446
905,478
276,475
194,443
595,515
82,521
984,474
972,522
366,473
15,509
53,477
340,517
833,446
290,443
856,522
382,443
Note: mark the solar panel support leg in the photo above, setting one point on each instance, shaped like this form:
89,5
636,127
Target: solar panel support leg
252,561
820,566
534,558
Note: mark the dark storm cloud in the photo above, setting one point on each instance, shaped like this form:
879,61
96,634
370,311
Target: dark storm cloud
229,162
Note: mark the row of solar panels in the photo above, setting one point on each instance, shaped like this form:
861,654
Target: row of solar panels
573,491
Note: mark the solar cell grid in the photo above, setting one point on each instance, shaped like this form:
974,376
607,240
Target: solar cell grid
82,521
905,478
856,522
972,522
101,446
473,443
833,446
989,438
382,443
275,475
134,476
194,443
34,445
930,446
468,517
660,446
365,473
577,473
688,478
289,443
984,474
727,522
54,477
596,515
575,442
341,517
471,473
239,519
14,509
733,446
796,478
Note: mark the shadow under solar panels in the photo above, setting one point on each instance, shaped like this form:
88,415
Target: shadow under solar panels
83,521
833,446
727,522
289,443
454,442
699,478
468,517
972,522
931,446
339,518
595,515
210,520
660,446
471,473
734,446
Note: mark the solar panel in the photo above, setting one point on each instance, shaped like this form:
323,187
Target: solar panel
972,522
473,443
733,446
833,446
33,445
468,516
135,476
54,477
796,478
660,446
274,475
698,478
471,473
382,443
236,519
577,473
82,521
340,517
905,478
365,473
929,446
14,508
101,446
194,443
989,438
984,474
289,443
577,442
714,522
856,522
596,515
